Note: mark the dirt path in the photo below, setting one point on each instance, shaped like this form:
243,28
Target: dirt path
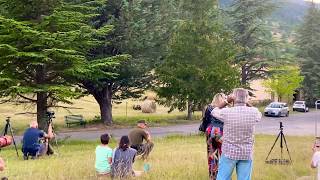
297,124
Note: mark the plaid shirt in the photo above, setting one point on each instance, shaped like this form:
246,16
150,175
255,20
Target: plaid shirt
238,137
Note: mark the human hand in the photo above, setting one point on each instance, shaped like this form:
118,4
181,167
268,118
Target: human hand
230,98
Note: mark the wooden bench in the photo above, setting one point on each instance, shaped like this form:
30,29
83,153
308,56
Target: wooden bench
75,119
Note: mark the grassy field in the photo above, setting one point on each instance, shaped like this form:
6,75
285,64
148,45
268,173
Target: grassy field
175,157
123,114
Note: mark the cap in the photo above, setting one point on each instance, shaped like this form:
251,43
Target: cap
142,121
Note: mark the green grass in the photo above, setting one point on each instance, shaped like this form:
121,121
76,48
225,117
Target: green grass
175,157
123,115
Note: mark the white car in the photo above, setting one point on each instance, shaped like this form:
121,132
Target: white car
300,106
277,109
317,103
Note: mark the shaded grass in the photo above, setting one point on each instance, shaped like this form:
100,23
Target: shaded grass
174,157
123,114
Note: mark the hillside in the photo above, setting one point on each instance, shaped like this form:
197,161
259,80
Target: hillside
289,13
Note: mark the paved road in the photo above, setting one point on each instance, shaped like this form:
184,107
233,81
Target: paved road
296,124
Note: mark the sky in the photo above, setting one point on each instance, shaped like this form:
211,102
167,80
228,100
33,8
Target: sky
316,1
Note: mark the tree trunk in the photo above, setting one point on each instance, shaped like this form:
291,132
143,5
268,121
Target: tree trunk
190,110
243,75
104,99
204,108
41,98
41,110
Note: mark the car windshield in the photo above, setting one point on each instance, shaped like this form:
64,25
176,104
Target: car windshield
274,105
298,102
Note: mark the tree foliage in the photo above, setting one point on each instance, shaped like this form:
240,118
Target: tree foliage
248,23
43,55
285,80
308,42
198,63
140,29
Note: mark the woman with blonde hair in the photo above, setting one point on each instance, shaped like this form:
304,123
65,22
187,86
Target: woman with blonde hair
214,132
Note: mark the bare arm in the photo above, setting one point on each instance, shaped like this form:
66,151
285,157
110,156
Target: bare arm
148,136
50,132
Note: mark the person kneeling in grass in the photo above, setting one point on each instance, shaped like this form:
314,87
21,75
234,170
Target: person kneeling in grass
30,142
103,156
123,159
137,135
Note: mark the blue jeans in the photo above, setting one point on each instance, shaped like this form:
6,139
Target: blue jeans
226,166
33,150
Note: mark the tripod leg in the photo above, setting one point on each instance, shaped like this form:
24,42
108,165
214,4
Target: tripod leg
52,131
5,131
14,141
285,142
281,144
273,146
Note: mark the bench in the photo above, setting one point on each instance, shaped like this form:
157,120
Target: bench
75,119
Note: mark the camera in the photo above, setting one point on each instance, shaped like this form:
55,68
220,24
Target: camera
50,114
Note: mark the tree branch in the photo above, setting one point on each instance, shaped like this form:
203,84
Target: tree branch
26,98
65,107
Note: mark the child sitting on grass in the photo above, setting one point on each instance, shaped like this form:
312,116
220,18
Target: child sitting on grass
103,156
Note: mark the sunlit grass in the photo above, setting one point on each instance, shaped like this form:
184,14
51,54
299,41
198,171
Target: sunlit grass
176,157
123,114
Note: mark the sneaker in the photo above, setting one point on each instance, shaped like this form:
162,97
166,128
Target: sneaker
25,157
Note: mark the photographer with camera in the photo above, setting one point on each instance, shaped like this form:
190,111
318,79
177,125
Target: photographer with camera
31,145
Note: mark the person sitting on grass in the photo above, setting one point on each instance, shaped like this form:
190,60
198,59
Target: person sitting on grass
30,142
103,156
123,159
137,135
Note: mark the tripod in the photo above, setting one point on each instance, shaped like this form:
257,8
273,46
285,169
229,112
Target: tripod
5,132
50,116
281,160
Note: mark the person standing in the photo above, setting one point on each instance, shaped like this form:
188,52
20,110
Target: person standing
137,136
214,133
237,147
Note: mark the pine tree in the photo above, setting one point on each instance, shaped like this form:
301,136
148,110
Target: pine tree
247,21
308,41
139,30
43,54
198,64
